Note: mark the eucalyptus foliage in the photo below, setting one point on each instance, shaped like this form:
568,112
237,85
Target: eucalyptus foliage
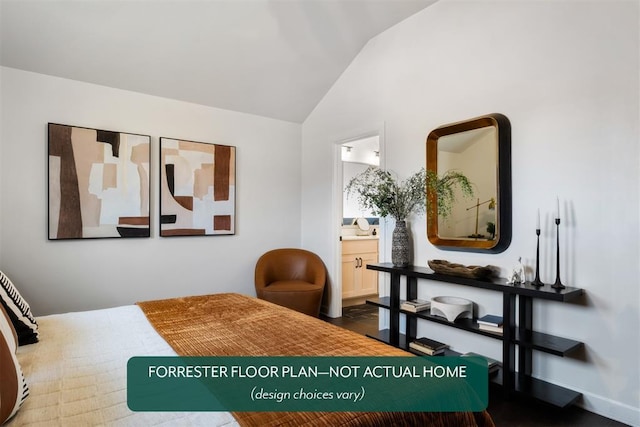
380,191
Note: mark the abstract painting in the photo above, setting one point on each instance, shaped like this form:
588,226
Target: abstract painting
98,183
197,188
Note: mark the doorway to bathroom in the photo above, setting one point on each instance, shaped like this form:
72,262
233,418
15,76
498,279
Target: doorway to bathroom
360,228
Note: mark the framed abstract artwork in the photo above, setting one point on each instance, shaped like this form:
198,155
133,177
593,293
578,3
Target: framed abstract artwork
197,188
98,183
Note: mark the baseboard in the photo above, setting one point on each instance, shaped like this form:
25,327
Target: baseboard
609,408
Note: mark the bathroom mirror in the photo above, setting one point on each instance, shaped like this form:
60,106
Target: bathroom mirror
479,149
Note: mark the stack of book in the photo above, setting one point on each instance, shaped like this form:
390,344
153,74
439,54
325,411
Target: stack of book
428,346
490,322
415,305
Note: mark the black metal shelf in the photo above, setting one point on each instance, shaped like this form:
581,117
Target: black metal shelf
516,335
547,343
465,324
536,340
383,336
546,392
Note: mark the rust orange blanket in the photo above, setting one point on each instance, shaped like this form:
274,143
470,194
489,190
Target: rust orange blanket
237,325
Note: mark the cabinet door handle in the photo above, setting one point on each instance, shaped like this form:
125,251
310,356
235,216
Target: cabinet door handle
358,262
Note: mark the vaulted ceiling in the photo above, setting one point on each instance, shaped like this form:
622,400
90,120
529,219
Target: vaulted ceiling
273,58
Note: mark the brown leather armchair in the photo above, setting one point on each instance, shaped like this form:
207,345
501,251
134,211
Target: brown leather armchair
294,278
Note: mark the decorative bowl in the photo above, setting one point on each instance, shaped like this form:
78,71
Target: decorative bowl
451,308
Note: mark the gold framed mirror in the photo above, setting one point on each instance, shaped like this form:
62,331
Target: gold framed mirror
479,149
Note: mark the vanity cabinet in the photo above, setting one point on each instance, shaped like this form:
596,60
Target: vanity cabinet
357,280
518,337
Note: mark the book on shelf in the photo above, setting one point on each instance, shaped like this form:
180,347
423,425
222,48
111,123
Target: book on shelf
428,346
490,328
424,350
415,305
490,320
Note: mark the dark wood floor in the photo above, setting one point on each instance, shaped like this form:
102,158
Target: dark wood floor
513,412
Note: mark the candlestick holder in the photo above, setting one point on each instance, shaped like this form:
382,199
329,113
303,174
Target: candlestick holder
536,281
558,283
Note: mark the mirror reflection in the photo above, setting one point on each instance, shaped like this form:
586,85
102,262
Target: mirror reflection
479,149
357,156
473,152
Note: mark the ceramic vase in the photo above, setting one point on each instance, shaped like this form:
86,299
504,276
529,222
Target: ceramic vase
400,244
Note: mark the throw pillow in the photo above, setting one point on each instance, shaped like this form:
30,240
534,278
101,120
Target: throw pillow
19,312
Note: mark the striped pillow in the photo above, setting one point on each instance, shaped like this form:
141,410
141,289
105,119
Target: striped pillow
13,387
19,312
8,332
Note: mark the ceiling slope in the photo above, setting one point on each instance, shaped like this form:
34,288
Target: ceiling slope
273,58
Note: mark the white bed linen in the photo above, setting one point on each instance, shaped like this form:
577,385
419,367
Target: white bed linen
77,373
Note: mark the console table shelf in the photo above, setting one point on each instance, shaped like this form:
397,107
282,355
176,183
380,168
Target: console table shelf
494,284
518,334
547,343
546,392
465,324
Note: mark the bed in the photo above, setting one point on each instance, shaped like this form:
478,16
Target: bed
76,373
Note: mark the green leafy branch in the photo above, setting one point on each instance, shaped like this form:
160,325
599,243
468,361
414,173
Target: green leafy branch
444,187
382,193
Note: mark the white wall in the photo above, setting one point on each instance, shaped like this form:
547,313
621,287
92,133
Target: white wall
566,74
59,276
